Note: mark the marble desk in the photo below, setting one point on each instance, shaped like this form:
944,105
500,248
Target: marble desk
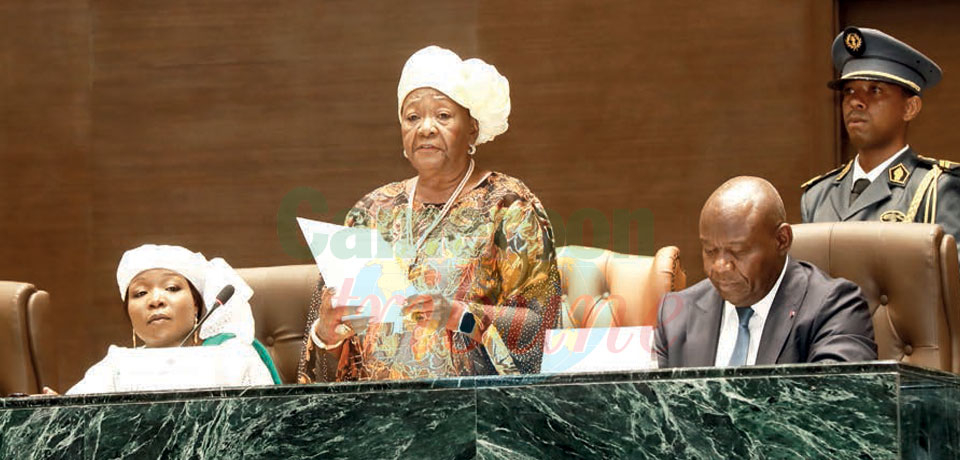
860,411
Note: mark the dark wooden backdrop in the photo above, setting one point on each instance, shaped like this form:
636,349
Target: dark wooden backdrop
191,123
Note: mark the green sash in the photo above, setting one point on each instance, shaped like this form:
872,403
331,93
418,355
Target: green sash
261,350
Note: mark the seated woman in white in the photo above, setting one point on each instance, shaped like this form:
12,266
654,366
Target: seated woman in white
165,290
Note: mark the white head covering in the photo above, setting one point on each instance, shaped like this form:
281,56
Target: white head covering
192,265
474,84
209,277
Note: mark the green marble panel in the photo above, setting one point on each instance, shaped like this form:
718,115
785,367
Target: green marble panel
56,432
860,411
833,416
929,415
435,423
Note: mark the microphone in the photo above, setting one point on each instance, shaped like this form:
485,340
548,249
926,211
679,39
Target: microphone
222,297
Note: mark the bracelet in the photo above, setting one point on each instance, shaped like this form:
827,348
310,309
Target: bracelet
320,343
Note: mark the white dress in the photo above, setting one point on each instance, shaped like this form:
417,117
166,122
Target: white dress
232,363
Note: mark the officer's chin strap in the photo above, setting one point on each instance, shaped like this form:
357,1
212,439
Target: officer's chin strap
926,192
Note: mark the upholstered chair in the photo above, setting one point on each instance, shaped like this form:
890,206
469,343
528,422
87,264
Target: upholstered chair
602,288
909,276
18,370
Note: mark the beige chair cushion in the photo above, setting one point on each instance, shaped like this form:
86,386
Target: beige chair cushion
280,303
602,288
909,276
17,371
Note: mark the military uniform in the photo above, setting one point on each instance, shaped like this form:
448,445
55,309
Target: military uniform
913,189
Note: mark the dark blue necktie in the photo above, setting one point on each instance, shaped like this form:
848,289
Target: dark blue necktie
739,356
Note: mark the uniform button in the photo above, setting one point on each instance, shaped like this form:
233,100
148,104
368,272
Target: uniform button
884,299
269,341
907,350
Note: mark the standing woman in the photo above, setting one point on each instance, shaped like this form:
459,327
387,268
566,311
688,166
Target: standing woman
479,244
164,290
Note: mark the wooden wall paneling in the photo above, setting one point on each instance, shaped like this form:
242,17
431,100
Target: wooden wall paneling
45,223
621,106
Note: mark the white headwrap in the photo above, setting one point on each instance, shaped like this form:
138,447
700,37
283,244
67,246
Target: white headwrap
209,277
474,84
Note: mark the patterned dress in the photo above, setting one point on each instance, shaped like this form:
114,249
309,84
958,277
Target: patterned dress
494,251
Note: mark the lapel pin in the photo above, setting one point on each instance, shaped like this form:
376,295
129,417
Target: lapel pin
793,313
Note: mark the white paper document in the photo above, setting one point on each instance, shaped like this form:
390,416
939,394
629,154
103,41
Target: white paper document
599,349
178,368
362,267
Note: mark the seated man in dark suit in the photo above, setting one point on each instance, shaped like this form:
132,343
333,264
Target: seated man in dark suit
758,306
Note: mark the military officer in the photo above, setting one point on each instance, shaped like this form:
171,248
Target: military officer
882,80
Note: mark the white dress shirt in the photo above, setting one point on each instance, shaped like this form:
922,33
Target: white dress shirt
730,325
859,173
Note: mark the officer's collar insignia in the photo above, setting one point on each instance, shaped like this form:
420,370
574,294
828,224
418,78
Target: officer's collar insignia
898,174
893,216
853,41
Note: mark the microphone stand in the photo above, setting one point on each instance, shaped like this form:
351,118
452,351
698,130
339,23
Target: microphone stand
222,297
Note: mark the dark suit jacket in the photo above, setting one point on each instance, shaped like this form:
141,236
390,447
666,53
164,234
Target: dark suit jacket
813,318
827,198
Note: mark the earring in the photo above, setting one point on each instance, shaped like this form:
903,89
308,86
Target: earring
405,154
196,332
471,150
134,331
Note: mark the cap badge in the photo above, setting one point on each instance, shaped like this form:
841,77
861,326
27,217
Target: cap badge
898,174
893,216
853,41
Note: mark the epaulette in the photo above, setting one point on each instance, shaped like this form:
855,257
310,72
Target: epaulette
946,165
842,170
